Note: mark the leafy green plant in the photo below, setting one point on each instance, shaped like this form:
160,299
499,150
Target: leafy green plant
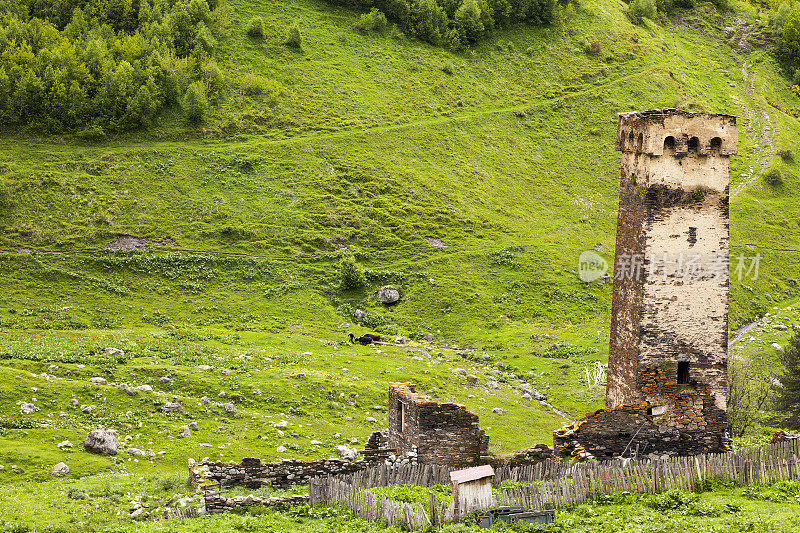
351,275
255,28
195,103
293,37
374,21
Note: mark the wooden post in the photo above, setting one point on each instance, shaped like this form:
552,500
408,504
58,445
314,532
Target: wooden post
434,517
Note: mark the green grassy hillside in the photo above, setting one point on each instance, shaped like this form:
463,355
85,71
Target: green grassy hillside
359,145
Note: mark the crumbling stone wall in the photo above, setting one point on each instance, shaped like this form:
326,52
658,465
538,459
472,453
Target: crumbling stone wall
252,473
433,433
668,349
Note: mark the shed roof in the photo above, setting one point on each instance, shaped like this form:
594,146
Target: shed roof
471,474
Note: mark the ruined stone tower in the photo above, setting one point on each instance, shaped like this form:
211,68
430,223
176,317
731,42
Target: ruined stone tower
668,354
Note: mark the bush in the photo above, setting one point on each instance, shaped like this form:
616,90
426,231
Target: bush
195,103
786,155
642,9
374,21
293,38
351,275
255,28
252,84
774,178
788,43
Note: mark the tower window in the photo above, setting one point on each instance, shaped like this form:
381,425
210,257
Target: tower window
716,144
401,416
692,235
669,145
693,144
683,372
640,142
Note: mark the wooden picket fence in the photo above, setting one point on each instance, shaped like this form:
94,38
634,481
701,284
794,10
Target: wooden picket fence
553,484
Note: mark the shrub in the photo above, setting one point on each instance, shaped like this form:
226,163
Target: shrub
195,103
255,28
593,48
252,84
642,9
786,155
374,21
774,178
351,275
788,43
293,38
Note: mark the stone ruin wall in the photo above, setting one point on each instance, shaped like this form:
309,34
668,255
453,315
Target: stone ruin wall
673,203
434,433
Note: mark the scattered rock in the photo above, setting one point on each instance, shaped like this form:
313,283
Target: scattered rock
101,441
436,242
371,419
60,469
74,402
27,408
225,372
185,432
282,424
64,444
164,379
346,452
87,408
172,407
130,391
136,452
280,449
114,352
297,375
97,380
781,327
460,371
777,347
358,316
204,399
402,340
193,426
139,512
471,378
144,388
315,442
428,337
229,408
204,367
492,384
388,294
497,410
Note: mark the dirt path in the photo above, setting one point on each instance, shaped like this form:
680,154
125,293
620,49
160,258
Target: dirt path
759,127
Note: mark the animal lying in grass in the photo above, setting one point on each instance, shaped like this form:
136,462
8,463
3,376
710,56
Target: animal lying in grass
365,339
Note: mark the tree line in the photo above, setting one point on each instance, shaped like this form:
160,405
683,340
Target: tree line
102,65
456,23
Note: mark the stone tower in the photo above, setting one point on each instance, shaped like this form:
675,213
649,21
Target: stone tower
667,375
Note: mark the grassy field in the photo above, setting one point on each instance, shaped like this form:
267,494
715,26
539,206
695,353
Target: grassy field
360,145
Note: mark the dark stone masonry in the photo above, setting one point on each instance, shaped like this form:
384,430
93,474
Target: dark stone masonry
431,432
252,473
667,377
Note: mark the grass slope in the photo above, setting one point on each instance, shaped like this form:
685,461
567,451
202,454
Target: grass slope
361,144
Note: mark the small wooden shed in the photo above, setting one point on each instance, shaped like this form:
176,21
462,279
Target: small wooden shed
472,489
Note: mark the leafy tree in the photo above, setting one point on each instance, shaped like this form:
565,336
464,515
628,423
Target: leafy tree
788,43
469,20
788,399
195,103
